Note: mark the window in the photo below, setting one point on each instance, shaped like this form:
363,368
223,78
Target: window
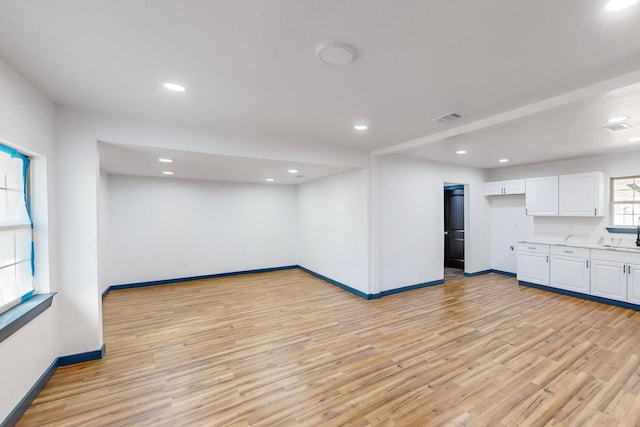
16,242
625,200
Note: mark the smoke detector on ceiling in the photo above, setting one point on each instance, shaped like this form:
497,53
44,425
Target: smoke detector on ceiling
449,117
617,126
334,53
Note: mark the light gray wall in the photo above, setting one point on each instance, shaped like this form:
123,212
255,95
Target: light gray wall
27,123
411,225
157,225
334,228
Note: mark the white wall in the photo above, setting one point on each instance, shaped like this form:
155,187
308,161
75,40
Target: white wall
156,225
510,223
78,133
411,205
27,122
77,196
103,231
333,228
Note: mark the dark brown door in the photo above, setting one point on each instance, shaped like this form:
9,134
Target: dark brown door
454,227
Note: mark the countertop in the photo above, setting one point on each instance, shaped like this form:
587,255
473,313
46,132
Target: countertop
602,244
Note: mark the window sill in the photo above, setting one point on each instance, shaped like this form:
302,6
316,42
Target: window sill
622,229
17,317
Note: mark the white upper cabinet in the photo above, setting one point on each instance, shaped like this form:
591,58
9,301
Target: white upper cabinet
503,188
582,194
542,196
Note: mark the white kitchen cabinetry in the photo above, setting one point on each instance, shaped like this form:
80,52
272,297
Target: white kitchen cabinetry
615,275
633,281
542,196
582,194
569,269
503,188
533,263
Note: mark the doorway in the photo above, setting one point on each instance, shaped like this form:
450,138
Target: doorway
453,231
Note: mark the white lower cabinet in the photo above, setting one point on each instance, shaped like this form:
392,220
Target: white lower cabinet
533,263
633,282
615,275
610,274
609,279
569,269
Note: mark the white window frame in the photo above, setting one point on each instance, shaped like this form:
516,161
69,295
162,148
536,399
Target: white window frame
25,224
613,202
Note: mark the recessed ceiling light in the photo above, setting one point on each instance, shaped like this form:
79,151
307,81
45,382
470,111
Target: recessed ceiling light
615,5
334,53
269,179
293,171
461,152
361,127
617,119
165,160
633,139
174,87
167,173
503,160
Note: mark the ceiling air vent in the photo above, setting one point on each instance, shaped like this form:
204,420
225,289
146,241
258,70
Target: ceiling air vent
447,118
617,126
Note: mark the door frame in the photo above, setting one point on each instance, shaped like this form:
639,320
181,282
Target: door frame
467,211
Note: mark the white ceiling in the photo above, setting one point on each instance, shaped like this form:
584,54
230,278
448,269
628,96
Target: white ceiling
250,66
143,161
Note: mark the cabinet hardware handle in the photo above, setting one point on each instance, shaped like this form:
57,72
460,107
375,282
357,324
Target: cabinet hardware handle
547,258
532,248
624,268
628,269
568,252
587,263
595,212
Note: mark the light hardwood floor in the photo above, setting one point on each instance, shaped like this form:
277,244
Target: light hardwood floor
285,348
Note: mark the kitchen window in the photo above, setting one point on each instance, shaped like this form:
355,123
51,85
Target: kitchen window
625,201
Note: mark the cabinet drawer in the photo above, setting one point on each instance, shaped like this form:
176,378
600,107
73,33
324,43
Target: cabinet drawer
571,251
533,247
615,256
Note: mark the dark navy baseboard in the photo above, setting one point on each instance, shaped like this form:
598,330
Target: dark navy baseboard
81,357
477,273
411,287
340,285
26,401
504,273
191,278
480,273
581,295
23,405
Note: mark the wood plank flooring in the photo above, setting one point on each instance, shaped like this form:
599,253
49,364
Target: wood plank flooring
287,349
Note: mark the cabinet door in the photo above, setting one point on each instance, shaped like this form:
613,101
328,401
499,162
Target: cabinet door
533,268
514,186
542,196
633,283
582,194
609,280
493,188
569,273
